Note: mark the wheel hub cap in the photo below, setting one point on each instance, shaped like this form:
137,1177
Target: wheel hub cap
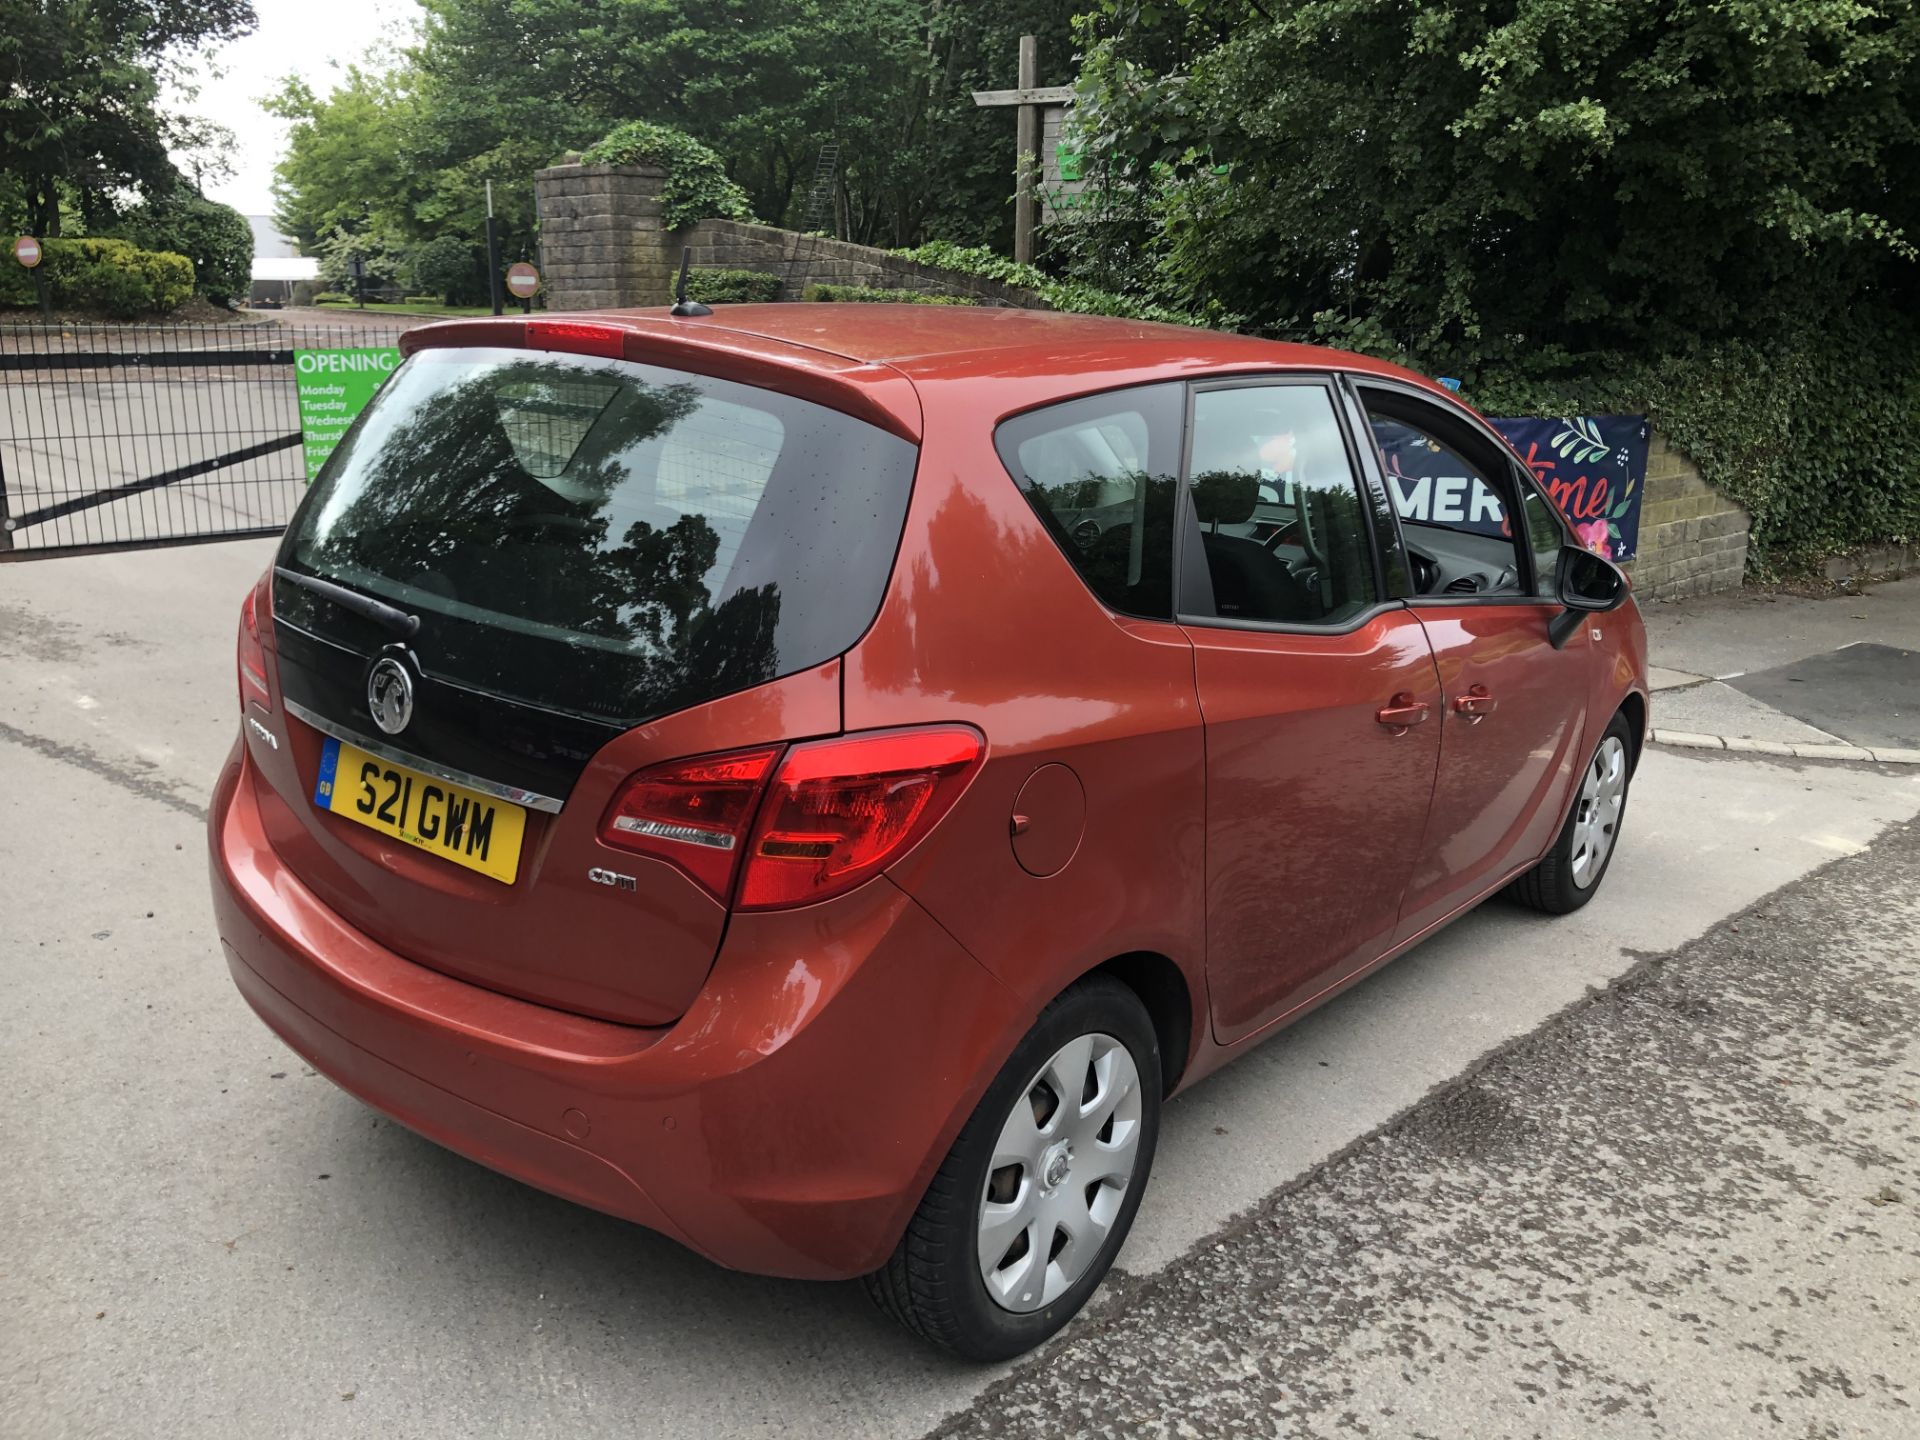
1596,814
1060,1172
1057,1165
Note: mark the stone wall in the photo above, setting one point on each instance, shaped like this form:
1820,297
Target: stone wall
604,245
1693,539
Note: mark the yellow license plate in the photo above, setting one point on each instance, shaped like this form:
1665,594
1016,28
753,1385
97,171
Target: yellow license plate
433,815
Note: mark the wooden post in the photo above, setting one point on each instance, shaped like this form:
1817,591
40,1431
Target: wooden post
1027,138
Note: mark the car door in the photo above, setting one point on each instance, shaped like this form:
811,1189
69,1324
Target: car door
1318,692
1514,707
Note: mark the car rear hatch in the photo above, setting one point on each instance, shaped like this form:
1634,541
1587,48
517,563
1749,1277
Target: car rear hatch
523,576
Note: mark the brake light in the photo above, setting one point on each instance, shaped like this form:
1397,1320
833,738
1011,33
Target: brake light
840,811
832,814
253,654
576,338
693,814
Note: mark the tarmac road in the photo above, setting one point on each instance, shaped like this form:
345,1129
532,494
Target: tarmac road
201,1238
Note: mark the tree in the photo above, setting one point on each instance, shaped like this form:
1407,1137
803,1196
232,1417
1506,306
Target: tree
79,97
346,164
445,266
1478,179
215,237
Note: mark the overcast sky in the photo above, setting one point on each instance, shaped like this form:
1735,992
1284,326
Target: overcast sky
313,38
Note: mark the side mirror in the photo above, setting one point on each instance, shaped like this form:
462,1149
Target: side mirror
1586,585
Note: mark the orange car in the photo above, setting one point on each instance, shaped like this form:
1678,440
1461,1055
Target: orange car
813,779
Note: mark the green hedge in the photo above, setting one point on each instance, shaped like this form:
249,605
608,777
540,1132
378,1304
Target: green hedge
697,186
1813,431
1059,294
869,295
111,276
332,297
732,287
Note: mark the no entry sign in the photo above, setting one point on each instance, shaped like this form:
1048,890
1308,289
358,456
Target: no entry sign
26,250
522,280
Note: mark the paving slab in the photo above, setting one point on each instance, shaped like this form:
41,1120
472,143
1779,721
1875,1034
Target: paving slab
1717,708
1660,678
1748,630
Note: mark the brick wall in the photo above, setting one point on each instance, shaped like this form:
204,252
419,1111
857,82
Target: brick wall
1693,539
603,245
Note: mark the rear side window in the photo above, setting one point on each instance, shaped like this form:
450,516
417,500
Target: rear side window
1102,475
606,538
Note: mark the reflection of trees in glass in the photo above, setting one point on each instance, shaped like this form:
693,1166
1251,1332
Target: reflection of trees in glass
445,513
1120,528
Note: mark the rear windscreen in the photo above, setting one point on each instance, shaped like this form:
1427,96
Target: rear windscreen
602,537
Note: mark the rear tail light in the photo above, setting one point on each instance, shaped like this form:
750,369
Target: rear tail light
256,610
692,813
832,815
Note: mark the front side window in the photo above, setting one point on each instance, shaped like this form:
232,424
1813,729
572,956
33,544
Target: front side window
601,537
1279,510
1546,535
1102,475
1453,511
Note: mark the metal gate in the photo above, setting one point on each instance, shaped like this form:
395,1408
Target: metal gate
126,436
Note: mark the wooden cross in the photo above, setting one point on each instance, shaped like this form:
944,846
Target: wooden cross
1029,98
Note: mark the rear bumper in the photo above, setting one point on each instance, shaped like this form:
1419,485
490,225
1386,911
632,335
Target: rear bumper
787,1124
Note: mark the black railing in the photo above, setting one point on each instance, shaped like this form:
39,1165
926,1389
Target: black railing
117,436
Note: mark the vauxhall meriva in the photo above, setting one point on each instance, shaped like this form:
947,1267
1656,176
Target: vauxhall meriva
813,780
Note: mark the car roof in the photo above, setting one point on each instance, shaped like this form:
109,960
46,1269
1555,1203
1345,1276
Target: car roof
1013,359
955,341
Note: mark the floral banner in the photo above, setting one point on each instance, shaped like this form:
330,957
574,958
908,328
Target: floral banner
1595,468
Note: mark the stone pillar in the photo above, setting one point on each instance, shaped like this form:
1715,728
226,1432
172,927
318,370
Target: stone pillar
602,237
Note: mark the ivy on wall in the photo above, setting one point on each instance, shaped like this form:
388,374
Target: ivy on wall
697,186
1812,431
1071,295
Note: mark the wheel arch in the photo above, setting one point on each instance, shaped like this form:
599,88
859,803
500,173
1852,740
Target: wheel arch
1163,988
1634,707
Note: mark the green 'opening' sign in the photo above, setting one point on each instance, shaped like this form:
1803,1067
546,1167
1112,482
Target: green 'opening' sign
335,386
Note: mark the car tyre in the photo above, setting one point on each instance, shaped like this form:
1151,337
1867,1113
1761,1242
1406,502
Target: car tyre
936,1284
1572,871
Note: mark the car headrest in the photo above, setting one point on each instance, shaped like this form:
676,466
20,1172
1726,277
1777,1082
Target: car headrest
1225,497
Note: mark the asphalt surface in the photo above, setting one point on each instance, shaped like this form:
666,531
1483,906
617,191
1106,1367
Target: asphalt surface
203,1238
1689,1206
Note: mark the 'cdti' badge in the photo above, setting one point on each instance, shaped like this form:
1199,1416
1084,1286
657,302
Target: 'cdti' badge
390,695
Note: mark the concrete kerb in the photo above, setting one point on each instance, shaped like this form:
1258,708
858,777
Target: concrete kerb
1739,745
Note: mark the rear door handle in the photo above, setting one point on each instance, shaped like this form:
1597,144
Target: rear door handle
1403,710
1476,704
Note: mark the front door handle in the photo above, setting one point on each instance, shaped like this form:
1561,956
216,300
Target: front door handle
1476,704
1403,710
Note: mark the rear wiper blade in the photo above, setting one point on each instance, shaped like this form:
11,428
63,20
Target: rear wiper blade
378,611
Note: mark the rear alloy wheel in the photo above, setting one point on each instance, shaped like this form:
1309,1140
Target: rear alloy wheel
1568,877
1022,1221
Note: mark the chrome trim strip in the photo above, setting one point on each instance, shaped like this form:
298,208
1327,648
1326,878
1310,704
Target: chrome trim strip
532,799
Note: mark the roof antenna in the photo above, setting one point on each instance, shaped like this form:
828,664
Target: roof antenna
681,304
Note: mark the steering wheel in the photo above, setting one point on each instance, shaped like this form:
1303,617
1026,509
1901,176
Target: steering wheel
1287,534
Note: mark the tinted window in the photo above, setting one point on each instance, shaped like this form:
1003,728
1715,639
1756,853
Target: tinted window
1101,474
1279,510
1453,512
603,537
